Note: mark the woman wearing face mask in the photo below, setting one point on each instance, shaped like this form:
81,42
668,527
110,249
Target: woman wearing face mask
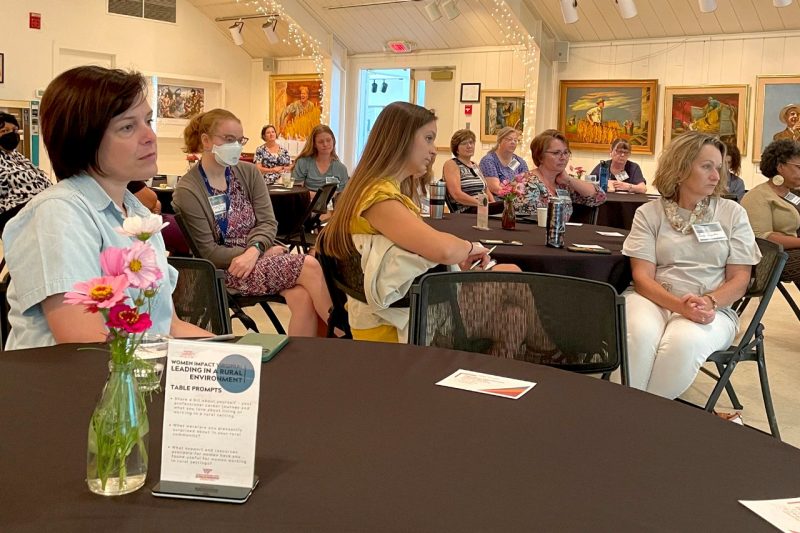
20,180
226,208
318,161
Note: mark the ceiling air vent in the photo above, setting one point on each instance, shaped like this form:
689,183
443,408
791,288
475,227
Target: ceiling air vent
163,10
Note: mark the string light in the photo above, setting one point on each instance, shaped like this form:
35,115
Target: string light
305,43
524,45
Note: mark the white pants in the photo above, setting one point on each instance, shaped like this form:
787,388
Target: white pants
665,349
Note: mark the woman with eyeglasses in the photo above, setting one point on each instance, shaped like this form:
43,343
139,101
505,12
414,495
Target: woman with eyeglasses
501,163
627,175
462,177
550,152
226,208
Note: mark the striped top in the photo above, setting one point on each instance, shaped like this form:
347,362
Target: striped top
471,182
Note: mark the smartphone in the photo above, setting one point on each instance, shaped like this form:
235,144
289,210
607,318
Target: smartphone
497,242
602,251
210,493
478,262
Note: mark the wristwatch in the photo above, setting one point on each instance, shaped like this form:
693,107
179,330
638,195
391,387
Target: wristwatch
260,247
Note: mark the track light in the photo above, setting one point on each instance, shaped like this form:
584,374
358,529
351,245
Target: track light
384,86
707,6
569,10
450,9
269,30
236,32
374,86
781,3
432,11
626,8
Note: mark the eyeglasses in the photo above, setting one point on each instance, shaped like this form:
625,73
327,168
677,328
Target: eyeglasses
231,139
466,143
793,164
622,151
559,153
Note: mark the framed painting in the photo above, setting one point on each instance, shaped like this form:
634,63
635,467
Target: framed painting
720,110
500,109
777,111
2,68
295,104
180,101
176,99
592,113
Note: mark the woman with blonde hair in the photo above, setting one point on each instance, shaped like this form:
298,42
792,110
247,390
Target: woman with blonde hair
501,163
318,163
395,159
227,210
691,257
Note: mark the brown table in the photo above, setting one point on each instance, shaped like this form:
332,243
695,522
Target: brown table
618,209
534,256
356,437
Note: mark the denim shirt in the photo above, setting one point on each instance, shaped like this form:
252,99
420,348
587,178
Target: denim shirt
55,242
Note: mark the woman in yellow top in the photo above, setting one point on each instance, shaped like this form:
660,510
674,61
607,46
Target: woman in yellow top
380,200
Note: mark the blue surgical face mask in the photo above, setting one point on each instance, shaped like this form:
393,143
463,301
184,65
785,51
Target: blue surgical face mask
227,154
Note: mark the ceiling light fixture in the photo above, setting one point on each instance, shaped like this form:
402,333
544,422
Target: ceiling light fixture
432,11
707,6
450,9
374,86
269,28
569,10
781,3
384,86
236,32
626,8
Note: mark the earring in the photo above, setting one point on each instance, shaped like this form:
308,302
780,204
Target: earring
777,180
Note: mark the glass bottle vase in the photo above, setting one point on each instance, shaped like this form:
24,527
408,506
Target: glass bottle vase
509,220
116,459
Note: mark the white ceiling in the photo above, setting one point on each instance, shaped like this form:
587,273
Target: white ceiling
366,29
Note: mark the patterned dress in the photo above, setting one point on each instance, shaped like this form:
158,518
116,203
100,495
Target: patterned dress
267,159
272,274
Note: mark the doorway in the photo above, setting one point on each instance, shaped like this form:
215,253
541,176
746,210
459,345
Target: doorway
379,88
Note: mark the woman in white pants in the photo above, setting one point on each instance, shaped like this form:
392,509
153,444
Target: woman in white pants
691,257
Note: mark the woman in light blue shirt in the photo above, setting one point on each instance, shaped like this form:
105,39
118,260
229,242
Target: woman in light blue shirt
318,163
96,125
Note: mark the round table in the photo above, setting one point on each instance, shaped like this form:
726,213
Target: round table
534,256
618,209
356,436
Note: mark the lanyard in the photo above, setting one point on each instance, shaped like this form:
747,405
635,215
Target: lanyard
222,220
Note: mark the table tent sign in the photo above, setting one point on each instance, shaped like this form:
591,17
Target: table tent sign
210,421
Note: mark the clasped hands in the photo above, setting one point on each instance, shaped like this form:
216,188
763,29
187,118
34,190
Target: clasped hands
243,264
697,309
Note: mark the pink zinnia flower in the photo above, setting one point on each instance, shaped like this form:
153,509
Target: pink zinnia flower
141,267
103,292
112,261
129,319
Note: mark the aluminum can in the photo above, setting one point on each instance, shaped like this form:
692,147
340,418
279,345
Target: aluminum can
556,222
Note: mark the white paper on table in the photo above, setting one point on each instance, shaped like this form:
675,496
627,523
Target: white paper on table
610,233
487,384
589,246
210,413
783,514
574,224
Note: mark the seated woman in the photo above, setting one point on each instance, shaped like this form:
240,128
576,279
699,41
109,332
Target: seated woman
462,176
145,195
627,175
227,210
501,163
550,153
271,159
678,309
734,163
399,148
773,208
96,125
318,163
20,180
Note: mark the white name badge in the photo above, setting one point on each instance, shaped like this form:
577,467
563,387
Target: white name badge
563,194
218,206
793,198
514,165
710,232
210,413
622,176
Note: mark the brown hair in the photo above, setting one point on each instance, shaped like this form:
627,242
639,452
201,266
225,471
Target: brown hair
675,163
310,149
76,109
265,128
618,141
203,123
540,143
385,156
459,137
736,158
502,134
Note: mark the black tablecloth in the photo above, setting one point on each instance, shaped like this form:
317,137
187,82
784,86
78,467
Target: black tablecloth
356,437
534,256
617,211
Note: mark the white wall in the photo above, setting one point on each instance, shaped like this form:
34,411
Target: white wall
728,60
192,47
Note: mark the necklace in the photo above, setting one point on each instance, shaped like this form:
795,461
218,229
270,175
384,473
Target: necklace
680,224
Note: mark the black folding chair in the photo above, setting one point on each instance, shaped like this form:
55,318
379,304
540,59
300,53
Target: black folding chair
304,234
584,214
336,278
766,276
525,316
236,302
200,296
5,326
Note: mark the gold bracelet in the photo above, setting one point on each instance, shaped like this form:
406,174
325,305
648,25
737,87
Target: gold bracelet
713,300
